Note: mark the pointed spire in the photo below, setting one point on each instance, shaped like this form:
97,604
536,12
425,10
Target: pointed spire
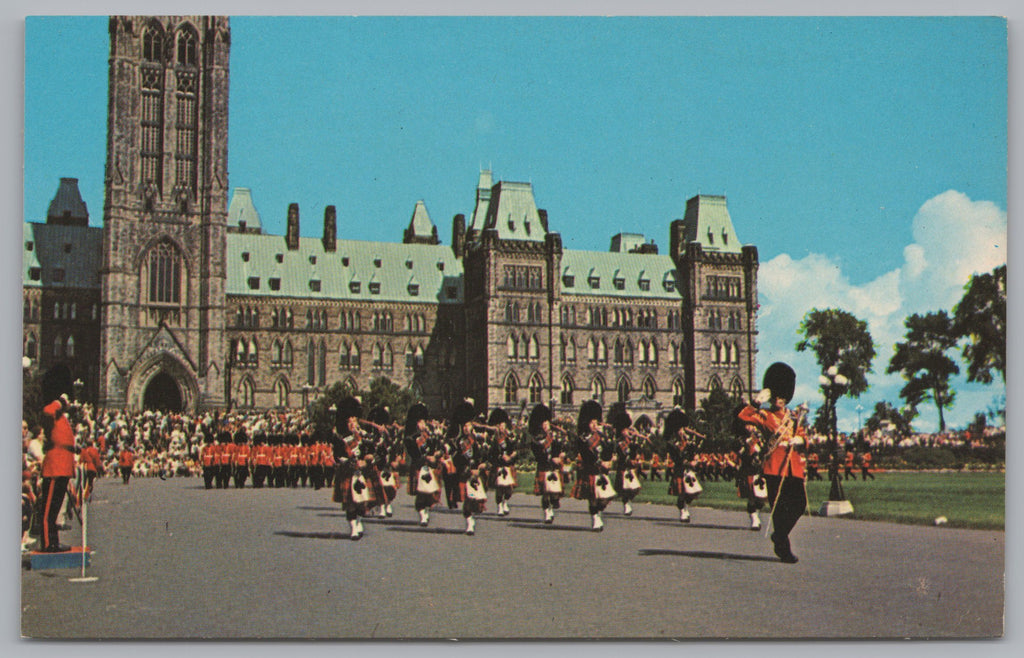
421,229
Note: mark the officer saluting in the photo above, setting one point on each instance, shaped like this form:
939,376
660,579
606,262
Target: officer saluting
784,461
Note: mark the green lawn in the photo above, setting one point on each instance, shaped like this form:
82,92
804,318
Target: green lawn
966,499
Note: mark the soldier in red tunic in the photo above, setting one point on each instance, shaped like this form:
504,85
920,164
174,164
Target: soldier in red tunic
58,467
126,462
784,461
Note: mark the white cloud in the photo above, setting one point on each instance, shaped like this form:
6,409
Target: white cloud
954,237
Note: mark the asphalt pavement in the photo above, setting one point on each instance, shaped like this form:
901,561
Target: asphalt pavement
173,560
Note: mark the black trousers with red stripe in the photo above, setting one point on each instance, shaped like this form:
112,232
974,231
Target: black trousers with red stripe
51,499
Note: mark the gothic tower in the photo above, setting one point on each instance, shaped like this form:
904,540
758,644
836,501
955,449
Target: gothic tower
163,273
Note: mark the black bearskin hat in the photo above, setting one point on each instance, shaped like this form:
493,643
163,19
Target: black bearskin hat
590,410
416,413
379,415
347,408
461,414
618,417
780,379
538,415
499,416
675,421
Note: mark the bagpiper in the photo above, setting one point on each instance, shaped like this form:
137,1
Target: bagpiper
384,458
627,456
351,488
467,456
595,454
750,483
549,453
682,481
784,463
424,459
503,455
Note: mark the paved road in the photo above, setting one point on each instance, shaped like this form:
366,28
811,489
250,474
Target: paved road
177,561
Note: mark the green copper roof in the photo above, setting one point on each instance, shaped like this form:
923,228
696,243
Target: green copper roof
421,224
66,256
513,212
707,221
242,209
262,265
483,199
611,274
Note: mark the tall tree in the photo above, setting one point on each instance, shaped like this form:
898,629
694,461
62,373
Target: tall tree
981,318
715,419
897,419
923,362
841,340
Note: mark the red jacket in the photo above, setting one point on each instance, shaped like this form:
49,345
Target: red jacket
776,462
126,458
90,459
59,460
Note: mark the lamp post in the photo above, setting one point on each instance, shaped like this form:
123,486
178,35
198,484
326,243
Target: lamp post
834,386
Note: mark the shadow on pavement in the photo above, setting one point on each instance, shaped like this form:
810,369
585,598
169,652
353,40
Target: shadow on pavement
706,526
433,531
647,552
543,526
313,535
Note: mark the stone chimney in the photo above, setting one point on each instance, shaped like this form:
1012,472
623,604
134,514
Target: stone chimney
330,228
291,237
459,235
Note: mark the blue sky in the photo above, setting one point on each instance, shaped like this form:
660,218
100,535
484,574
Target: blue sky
865,157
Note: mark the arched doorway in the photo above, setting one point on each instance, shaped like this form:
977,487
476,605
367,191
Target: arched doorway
56,381
162,393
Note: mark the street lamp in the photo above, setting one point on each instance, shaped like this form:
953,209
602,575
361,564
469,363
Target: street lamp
834,386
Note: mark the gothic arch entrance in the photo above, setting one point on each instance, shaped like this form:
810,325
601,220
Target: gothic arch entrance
163,393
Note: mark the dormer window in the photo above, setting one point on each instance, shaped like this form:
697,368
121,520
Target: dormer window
440,266
241,224
595,282
377,262
344,261
408,264
275,283
35,273
619,283
314,285
568,281
725,237
353,287
526,225
374,287
254,283
245,256
414,289
279,258
312,260
645,284
29,246
711,237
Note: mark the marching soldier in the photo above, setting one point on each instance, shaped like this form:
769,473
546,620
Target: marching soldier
865,465
502,459
750,483
682,455
813,460
210,460
549,453
627,456
350,485
424,452
241,457
467,457
225,458
784,463
593,484
126,462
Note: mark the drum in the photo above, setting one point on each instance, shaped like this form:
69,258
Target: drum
426,483
630,482
691,485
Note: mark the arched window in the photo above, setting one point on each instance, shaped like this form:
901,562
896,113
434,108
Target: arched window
247,392
286,356
534,353
70,346
253,354
389,358
343,355
677,392
511,389
281,389
673,353
240,351
311,363
510,347
321,364
715,384
591,351
602,351
715,352
275,352
567,390
652,353
152,44
524,346
164,275
378,356
353,356
623,389
58,345
649,388
597,389
409,352
627,352
536,389
618,352
31,346
418,358
562,349
187,47
642,349
571,350
736,389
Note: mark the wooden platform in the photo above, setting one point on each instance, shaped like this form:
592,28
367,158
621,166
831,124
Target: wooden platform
70,560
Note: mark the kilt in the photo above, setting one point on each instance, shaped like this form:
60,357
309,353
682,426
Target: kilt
675,485
414,480
494,475
469,505
343,487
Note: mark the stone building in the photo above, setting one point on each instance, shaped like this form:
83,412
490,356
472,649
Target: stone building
181,300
